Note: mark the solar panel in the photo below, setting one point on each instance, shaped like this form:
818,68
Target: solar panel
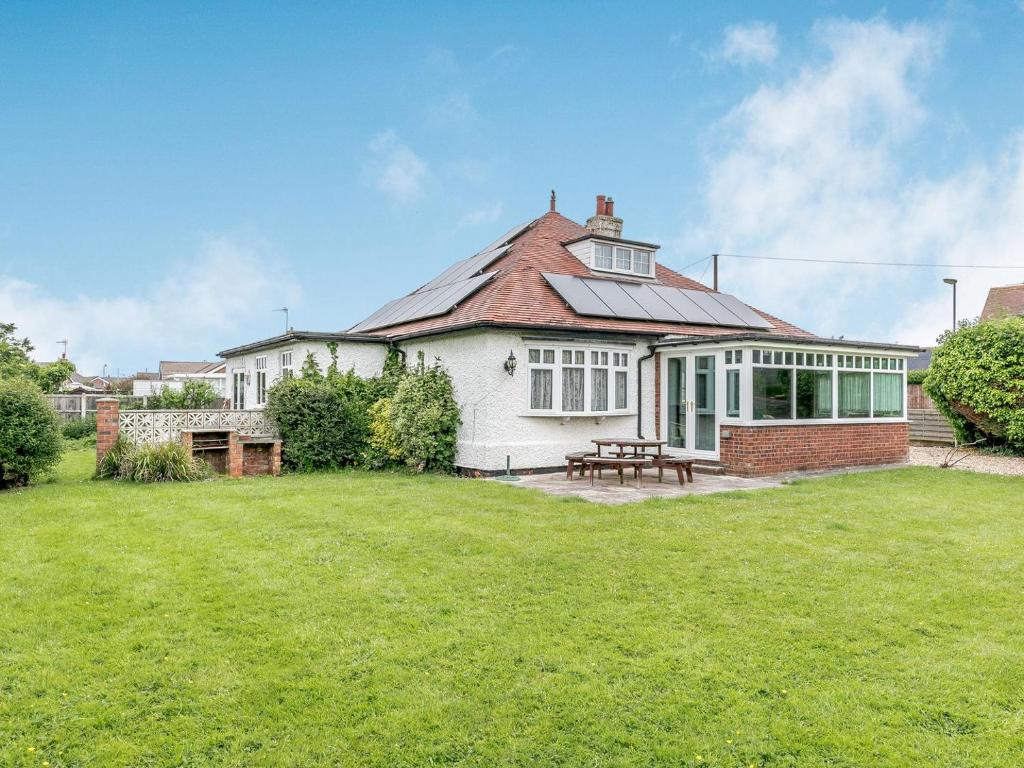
643,301
460,270
578,295
424,303
509,236
619,302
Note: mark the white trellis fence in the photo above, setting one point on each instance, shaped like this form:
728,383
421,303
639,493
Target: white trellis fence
167,426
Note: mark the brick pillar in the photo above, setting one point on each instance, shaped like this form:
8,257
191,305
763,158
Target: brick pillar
186,441
235,462
275,458
108,414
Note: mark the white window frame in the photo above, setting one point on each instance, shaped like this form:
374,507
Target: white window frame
238,389
287,369
631,251
624,357
261,379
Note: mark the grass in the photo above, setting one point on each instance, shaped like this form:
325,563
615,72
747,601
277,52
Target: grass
361,619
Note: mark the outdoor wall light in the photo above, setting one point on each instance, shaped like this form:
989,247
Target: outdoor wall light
510,364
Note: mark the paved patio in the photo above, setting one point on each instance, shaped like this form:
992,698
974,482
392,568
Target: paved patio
608,490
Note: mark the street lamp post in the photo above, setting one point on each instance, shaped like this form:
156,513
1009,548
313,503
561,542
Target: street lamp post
952,281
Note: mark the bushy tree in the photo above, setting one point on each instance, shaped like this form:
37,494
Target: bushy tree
323,421
30,438
15,362
976,379
425,418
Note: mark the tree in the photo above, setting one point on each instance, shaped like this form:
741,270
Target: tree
976,379
14,360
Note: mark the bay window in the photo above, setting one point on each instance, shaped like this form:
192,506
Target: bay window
577,381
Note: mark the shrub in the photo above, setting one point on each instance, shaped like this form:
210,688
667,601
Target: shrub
79,428
193,396
323,421
30,440
166,462
382,449
976,379
425,418
917,377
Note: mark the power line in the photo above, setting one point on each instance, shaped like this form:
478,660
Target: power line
695,263
871,263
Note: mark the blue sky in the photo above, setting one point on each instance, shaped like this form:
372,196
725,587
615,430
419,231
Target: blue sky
171,173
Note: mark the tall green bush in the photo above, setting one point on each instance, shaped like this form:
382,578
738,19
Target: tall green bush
323,421
193,396
30,438
425,418
976,379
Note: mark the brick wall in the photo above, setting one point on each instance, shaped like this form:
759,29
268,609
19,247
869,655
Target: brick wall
261,459
771,449
108,414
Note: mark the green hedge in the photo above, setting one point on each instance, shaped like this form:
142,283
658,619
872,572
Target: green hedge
976,380
401,418
30,438
917,377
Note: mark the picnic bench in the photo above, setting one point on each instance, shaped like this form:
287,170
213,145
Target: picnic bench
638,463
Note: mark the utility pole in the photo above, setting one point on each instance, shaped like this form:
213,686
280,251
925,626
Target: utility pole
714,271
952,281
64,356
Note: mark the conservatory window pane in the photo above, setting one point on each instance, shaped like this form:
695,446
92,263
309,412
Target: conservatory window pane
888,394
814,394
777,359
799,358
757,356
854,395
540,389
773,393
732,393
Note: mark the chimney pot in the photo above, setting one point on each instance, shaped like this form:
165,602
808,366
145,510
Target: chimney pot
609,207
600,205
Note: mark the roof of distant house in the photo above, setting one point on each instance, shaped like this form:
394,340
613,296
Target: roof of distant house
173,367
1004,301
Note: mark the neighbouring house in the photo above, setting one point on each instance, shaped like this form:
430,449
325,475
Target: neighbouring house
1004,301
172,374
557,333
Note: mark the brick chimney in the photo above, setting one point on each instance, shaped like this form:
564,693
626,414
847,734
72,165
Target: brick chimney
604,222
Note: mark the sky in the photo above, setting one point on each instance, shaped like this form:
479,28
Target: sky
172,173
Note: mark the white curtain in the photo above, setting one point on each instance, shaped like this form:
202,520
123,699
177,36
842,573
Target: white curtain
888,394
572,389
620,389
540,389
599,389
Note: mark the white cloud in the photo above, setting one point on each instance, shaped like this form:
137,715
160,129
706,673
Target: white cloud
815,168
204,306
455,109
484,215
753,43
395,169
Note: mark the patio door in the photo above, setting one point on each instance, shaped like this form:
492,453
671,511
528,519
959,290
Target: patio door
692,419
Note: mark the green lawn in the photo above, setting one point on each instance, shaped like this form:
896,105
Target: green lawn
368,619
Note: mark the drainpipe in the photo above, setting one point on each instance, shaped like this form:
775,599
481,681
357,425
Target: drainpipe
640,392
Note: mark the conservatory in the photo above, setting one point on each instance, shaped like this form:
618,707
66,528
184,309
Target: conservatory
761,404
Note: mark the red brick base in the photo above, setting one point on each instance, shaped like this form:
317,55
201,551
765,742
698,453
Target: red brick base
768,450
108,417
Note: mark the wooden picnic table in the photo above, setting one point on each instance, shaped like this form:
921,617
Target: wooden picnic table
636,463
639,446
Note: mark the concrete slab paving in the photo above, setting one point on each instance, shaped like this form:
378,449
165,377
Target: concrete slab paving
609,491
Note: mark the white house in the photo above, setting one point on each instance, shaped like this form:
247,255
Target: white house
557,333
172,374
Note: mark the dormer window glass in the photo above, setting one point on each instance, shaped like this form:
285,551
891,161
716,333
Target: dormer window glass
624,259
602,256
642,262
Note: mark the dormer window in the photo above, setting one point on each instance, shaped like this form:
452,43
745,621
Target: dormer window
624,257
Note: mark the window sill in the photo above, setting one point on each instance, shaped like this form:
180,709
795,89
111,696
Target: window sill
597,418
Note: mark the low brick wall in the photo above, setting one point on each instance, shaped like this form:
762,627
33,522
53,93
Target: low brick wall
261,458
768,450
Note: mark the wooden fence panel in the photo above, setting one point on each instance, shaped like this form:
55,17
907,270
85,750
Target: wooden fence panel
927,425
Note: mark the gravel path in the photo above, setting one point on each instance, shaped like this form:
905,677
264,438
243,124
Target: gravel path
975,461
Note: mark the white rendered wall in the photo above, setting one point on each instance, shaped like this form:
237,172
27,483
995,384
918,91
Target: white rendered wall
367,359
494,404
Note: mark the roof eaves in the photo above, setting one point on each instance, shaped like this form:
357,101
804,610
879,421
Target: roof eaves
778,338
302,336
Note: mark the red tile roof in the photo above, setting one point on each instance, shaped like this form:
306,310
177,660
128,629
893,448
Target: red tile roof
520,297
1003,301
